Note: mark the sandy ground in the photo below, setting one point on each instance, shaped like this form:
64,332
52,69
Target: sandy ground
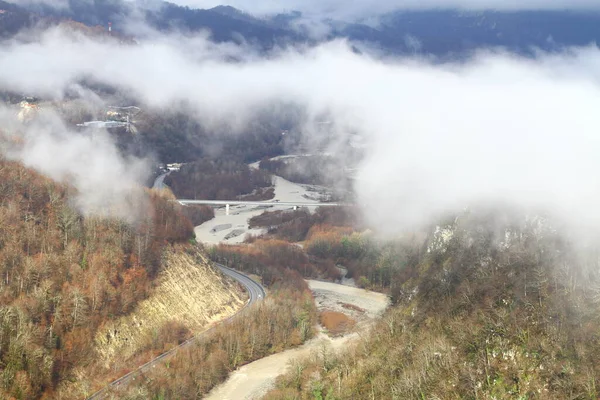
253,380
334,297
236,223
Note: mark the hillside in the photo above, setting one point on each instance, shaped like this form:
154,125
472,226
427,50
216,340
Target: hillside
66,277
496,305
188,295
444,33
13,19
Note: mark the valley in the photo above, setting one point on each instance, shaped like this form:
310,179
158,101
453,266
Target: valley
254,380
299,200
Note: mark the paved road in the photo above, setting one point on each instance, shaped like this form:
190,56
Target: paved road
256,292
159,182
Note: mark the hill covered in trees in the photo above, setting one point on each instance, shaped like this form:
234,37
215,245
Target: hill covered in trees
490,305
444,33
65,275
219,179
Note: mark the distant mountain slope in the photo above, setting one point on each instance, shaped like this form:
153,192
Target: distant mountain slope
13,19
435,32
440,32
224,23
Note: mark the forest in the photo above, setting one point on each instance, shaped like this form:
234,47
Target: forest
177,137
312,170
64,274
219,179
491,305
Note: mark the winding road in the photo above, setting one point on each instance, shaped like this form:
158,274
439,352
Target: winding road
256,292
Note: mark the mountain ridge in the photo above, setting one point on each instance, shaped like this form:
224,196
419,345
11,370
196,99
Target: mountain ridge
437,32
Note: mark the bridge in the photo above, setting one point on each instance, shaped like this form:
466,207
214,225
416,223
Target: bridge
228,203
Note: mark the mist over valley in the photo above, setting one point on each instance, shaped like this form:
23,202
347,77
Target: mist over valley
403,194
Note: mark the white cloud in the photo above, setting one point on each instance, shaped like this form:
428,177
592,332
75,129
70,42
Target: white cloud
105,182
357,9
439,137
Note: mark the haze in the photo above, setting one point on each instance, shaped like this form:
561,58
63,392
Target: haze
362,8
439,137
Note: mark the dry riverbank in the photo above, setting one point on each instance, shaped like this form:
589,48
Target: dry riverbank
253,380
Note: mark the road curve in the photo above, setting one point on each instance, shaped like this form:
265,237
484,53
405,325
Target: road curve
256,293
159,182
255,290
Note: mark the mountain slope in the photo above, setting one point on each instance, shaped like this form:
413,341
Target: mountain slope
13,19
439,32
495,307
66,277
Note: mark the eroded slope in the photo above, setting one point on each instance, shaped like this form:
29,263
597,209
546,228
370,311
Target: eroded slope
188,291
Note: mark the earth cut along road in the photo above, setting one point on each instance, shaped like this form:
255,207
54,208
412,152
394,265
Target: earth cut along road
256,292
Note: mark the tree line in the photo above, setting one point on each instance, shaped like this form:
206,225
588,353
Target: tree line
217,179
498,306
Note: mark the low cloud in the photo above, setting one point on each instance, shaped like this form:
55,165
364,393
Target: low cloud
105,182
438,137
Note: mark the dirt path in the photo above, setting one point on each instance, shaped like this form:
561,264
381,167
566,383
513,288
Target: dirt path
253,380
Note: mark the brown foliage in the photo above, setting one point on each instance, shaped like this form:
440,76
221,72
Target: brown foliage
268,258
294,226
285,319
198,214
501,310
217,180
336,323
62,275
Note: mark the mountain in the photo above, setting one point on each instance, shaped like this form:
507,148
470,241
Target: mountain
492,305
436,32
224,23
447,31
13,19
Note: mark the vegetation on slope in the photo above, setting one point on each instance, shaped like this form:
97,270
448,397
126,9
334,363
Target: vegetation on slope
64,275
198,214
312,170
188,293
218,180
491,307
294,226
267,257
284,319
178,137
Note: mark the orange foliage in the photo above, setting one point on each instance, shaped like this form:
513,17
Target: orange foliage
269,258
336,323
64,275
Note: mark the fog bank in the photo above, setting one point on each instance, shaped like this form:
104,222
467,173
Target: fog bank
438,137
105,183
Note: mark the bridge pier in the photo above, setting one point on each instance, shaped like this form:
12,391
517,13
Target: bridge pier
227,209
